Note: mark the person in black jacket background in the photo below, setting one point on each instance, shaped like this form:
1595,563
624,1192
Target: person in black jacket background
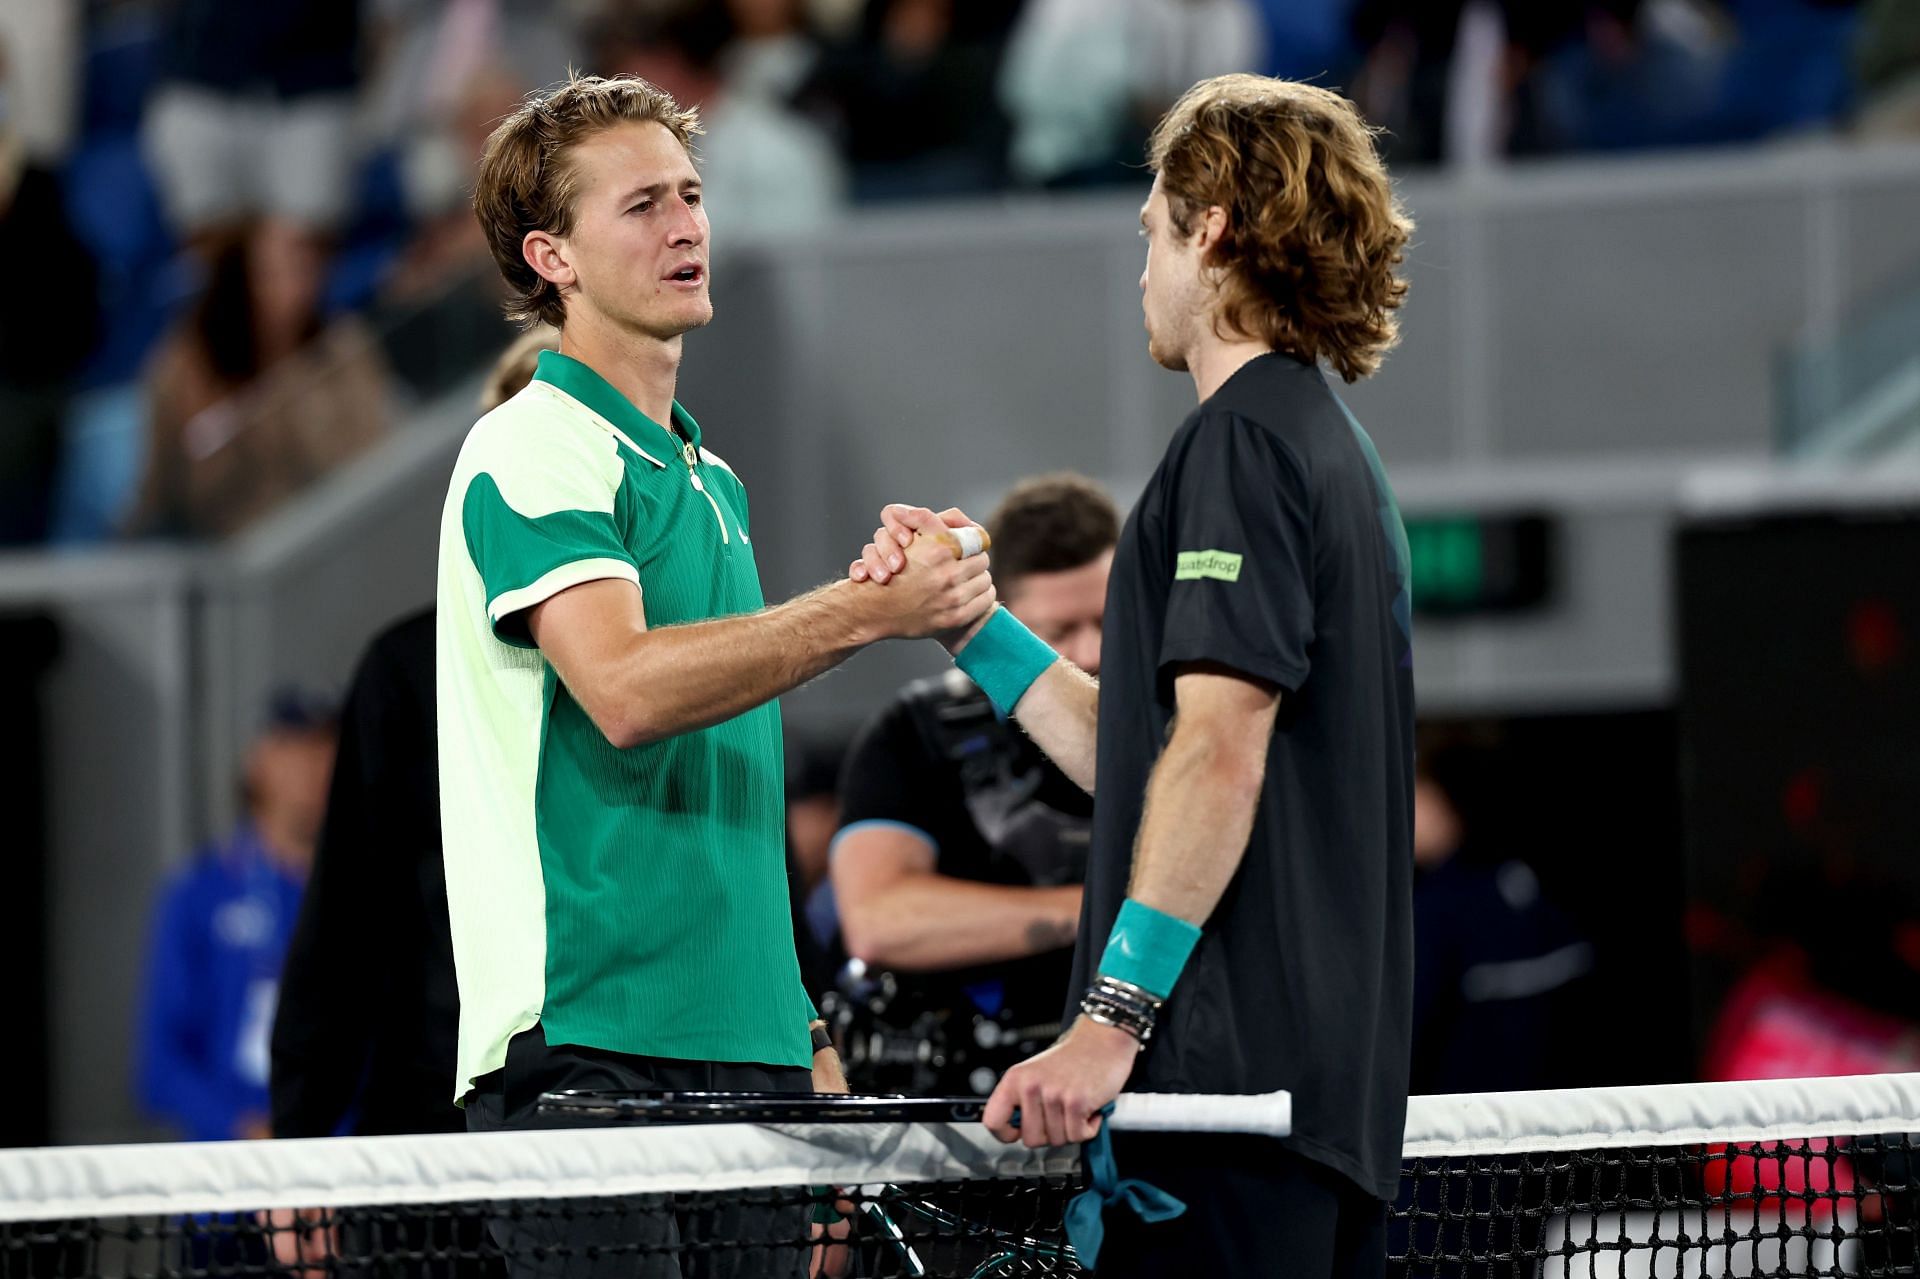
374,919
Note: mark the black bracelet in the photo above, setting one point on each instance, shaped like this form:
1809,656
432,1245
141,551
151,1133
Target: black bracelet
821,1039
1141,1031
1126,996
1130,1013
1122,1006
1128,992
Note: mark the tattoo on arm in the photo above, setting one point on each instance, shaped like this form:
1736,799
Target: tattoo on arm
1050,934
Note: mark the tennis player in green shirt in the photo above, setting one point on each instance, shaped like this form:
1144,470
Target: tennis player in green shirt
610,747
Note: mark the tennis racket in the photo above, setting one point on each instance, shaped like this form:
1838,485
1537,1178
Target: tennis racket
928,1230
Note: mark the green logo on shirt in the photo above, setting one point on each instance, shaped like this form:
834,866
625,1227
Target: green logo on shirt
1222,566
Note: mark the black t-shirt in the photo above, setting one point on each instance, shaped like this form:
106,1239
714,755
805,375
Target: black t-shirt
996,810
1268,541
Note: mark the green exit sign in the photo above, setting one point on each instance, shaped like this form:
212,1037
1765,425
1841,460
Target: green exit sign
1465,564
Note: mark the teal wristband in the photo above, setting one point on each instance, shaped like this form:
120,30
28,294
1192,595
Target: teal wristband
1004,659
1148,948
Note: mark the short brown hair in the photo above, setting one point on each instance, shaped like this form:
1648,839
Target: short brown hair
1314,232
526,184
1049,524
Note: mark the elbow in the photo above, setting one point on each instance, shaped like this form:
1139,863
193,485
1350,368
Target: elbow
1243,786
861,938
623,735
867,937
623,727
1238,770
1246,778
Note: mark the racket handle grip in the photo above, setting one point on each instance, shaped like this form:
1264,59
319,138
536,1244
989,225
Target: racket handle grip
1259,1114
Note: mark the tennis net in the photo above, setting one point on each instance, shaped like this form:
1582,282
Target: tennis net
1797,1177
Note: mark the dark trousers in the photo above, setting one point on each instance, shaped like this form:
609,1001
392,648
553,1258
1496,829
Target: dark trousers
1254,1208
638,1236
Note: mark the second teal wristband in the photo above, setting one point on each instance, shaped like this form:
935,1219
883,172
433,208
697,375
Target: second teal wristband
1148,948
1004,659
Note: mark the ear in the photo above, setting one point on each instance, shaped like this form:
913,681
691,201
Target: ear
1209,229
547,255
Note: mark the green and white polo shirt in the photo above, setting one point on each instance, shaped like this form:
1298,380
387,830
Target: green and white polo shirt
629,900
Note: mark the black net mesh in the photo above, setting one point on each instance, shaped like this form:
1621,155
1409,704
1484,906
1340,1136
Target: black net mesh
1843,1206
1826,1207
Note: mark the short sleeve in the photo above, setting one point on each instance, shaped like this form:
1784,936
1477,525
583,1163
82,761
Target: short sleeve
539,523
888,777
1239,528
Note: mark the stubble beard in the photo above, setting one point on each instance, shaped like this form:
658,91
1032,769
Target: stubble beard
657,324
665,328
1164,351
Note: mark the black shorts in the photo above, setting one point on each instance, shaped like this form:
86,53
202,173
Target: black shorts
1254,1208
636,1236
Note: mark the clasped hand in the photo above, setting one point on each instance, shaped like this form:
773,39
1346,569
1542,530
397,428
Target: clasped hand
930,591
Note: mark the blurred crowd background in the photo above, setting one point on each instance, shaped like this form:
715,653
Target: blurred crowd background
228,204
1667,281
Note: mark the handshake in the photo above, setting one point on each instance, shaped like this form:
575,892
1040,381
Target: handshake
923,575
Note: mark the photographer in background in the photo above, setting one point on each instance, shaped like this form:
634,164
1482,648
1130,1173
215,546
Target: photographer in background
958,865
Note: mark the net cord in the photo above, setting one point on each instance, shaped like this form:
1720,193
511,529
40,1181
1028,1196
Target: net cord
241,1176
1474,1124
238,1176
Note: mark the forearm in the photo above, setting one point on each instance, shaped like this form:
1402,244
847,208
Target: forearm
936,922
677,679
1060,712
1200,807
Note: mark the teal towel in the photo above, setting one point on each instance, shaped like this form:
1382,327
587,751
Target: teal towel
1086,1228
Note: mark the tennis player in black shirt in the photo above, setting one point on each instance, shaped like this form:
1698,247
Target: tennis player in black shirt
1247,919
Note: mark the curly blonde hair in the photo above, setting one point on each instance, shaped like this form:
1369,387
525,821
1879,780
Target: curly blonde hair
526,183
1314,232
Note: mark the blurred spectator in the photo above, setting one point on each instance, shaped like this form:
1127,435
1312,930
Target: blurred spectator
959,866
43,344
252,396
41,93
1887,55
426,53
1309,40
765,166
1790,66
1409,82
813,818
1085,79
444,73
912,96
436,168
1495,964
1633,75
374,918
1469,79
253,117
515,367
375,913
114,210
219,933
